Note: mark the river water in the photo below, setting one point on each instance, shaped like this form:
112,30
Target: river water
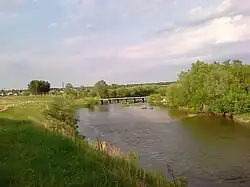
209,151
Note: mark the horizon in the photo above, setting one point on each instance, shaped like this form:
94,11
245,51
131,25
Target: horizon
84,41
78,86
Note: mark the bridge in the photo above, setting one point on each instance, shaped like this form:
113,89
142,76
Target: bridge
126,99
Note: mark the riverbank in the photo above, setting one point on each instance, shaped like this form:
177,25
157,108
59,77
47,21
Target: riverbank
32,155
240,118
216,88
243,119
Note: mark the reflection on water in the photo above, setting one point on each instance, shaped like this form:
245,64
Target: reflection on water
208,150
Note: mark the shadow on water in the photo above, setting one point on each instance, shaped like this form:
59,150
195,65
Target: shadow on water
101,108
177,114
224,145
208,150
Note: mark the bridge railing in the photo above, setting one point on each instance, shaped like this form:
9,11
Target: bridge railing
126,99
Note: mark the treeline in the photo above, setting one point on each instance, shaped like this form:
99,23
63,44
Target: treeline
103,90
100,89
148,84
220,88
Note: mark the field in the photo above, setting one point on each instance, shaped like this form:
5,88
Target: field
31,155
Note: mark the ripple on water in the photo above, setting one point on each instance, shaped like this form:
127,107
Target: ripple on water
209,151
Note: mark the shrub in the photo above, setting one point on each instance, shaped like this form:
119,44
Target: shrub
60,115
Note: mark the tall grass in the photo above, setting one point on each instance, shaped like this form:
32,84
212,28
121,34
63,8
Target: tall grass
34,156
88,102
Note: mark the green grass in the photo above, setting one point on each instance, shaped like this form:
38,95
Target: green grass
87,102
243,118
14,99
32,156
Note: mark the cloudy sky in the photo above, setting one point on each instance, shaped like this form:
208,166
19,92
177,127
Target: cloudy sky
120,41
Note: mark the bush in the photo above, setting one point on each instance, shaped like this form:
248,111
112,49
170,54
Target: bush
60,116
155,99
220,88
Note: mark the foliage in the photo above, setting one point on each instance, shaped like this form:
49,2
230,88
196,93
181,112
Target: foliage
2,93
220,88
33,156
87,102
69,90
134,91
69,86
39,87
60,115
88,93
101,89
155,98
26,93
118,91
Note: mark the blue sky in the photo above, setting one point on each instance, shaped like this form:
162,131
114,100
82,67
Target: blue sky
120,41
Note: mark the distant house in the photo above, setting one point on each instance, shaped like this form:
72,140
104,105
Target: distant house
10,94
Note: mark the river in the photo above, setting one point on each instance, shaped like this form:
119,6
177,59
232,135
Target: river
209,151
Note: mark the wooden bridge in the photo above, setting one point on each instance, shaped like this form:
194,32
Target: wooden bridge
125,99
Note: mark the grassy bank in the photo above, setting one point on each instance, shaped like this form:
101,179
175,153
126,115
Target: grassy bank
242,118
161,101
31,155
88,102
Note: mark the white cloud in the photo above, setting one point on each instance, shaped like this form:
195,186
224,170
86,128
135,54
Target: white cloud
74,40
196,10
223,9
121,38
184,41
52,25
81,9
210,12
89,26
224,6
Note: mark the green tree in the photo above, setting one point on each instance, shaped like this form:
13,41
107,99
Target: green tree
69,86
39,87
114,86
221,88
123,92
101,88
2,93
70,91
112,93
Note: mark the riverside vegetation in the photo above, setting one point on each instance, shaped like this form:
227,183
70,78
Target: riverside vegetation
39,146
211,88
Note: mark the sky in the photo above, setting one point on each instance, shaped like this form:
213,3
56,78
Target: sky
120,41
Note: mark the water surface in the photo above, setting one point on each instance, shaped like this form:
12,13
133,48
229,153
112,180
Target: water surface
210,151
